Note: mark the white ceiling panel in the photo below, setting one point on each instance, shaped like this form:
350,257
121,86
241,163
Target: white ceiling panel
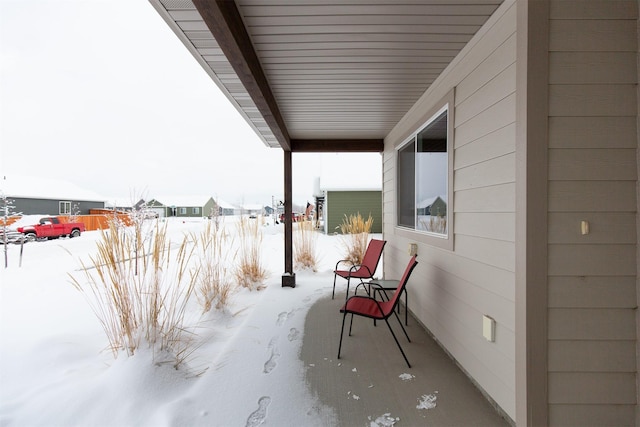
346,69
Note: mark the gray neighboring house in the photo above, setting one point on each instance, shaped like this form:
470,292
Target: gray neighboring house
183,206
154,205
46,196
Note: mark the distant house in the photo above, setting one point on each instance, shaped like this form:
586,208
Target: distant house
46,196
348,191
120,204
254,209
340,203
155,206
225,208
183,206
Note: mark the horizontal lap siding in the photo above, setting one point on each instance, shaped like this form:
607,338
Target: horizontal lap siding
450,291
592,295
344,204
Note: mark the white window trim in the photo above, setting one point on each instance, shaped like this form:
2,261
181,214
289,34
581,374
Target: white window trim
66,203
433,239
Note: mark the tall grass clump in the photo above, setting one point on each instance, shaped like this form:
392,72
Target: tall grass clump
140,295
304,246
355,236
250,273
214,285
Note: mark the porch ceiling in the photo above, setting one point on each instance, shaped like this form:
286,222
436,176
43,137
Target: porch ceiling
324,75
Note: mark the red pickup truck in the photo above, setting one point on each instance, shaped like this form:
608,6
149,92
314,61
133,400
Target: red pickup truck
51,228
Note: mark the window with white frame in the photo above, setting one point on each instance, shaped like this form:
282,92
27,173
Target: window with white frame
424,179
195,211
65,208
183,211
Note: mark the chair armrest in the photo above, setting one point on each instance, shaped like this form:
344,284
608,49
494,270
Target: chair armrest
375,285
363,287
354,267
377,288
343,261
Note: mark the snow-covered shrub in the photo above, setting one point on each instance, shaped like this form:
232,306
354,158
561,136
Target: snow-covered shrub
75,212
8,211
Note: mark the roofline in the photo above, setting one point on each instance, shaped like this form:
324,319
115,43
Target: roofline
337,145
225,23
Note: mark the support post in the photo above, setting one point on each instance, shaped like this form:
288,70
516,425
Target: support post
289,277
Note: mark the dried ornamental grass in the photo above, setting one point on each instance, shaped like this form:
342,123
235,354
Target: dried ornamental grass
214,286
250,273
355,236
140,295
304,246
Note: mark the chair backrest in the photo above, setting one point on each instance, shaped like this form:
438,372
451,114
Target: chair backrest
403,282
372,255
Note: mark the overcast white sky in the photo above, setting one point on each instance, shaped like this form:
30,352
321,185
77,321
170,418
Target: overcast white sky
103,94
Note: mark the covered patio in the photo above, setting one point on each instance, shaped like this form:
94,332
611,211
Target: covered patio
371,378
530,103
312,77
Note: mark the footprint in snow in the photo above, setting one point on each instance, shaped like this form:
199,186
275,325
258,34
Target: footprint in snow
270,364
258,416
293,334
282,317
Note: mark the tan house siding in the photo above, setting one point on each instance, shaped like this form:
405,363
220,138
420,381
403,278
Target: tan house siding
451,290
593,140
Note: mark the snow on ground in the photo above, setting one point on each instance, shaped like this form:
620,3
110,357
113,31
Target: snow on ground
55,369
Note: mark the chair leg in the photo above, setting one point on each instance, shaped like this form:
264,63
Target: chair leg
350,324
342,333
335,276
403,329
406,307
346,297
398,343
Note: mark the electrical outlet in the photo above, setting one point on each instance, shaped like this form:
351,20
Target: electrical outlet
488,328
413,249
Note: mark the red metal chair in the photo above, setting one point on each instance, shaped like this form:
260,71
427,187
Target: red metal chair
371,308
366,270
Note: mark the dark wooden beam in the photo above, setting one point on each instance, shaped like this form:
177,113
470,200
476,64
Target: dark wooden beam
337,145
289,277
225,23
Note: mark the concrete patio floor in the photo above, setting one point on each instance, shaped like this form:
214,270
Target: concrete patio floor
371,380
